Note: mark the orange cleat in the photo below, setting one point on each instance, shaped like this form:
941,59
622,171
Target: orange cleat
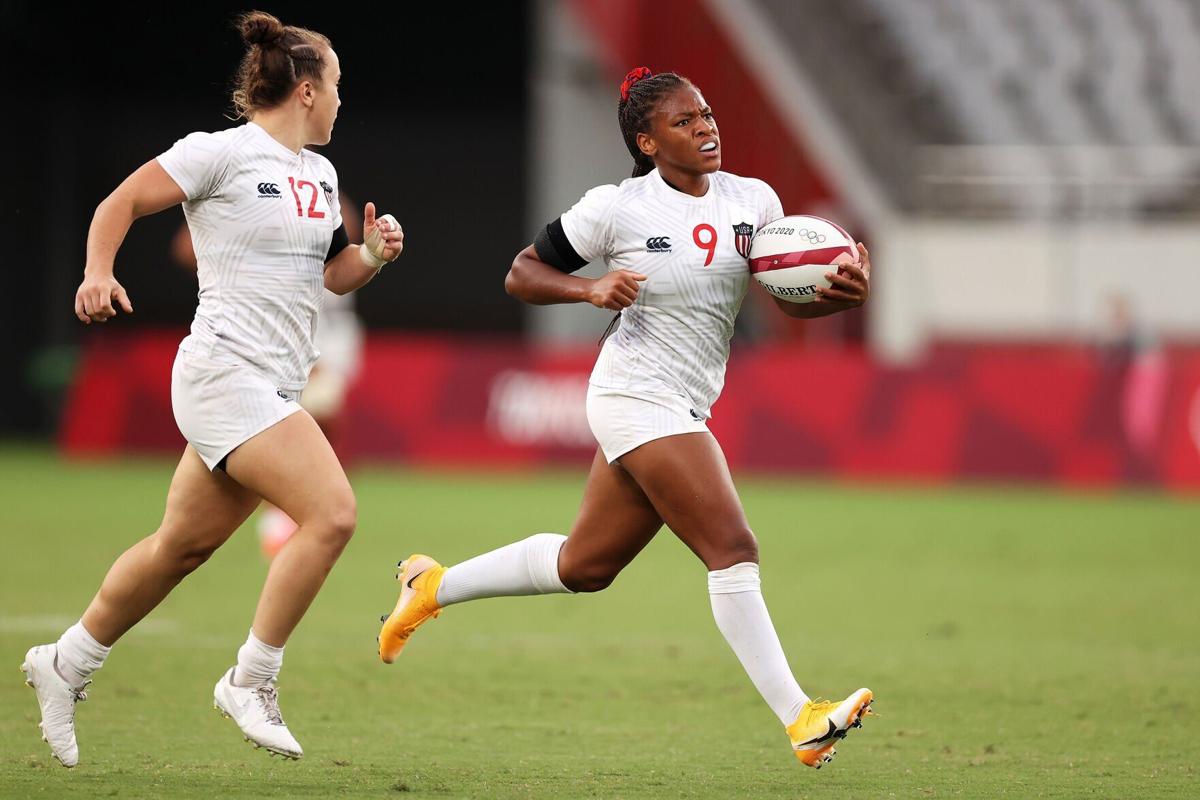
419,578
822,723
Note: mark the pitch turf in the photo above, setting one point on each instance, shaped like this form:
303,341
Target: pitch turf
1021,643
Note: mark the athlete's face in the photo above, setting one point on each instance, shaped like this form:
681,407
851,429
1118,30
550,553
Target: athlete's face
325,100
683,134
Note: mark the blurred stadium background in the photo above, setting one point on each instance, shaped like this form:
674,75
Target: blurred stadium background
1025,172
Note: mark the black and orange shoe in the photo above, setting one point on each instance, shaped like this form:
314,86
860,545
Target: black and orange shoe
822,723
419,576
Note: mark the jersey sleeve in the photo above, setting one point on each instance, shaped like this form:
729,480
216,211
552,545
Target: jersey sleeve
334,196
770,209
197,163
340,239
588,224
335,205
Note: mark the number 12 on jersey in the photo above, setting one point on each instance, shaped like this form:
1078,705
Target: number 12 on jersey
313,213
707,243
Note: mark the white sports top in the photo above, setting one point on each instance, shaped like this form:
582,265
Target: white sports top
675,337
262,218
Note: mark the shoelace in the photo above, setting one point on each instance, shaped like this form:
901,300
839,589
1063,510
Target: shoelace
822,706
268,698
79,695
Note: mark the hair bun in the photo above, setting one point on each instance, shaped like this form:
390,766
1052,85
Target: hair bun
261,29
634,75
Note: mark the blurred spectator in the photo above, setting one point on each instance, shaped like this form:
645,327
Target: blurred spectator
1135,376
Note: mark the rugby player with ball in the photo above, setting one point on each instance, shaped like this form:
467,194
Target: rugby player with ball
676,238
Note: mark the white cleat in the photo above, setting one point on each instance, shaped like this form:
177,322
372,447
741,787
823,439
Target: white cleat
57,699
256,712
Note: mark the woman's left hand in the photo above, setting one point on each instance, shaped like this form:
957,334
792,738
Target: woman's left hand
383,237
851,284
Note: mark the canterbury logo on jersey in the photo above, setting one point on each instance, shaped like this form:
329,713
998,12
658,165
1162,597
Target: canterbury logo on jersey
269,190
659,244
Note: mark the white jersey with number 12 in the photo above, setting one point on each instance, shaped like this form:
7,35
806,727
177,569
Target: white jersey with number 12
262,218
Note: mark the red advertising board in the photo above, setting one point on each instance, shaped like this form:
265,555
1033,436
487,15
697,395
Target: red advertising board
1016,413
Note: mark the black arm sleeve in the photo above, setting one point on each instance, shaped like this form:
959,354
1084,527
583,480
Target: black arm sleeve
555,249
340,241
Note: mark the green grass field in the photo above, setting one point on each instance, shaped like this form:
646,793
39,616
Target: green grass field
1021,643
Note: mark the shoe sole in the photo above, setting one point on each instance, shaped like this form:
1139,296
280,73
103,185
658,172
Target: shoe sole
395,639
29,682
271,751
824,755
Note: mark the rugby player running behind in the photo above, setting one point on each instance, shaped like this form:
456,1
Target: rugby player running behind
263,214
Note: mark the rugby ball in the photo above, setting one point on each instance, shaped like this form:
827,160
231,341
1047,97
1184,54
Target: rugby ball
790,256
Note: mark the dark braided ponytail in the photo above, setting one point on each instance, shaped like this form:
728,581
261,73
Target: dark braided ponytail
640,91
277,57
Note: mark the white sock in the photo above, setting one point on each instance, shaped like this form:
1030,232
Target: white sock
258,663
742,617
529,566
79,655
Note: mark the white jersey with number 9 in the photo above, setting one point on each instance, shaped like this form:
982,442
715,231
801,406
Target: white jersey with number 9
675,337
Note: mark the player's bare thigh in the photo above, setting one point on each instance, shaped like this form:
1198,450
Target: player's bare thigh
292,466
687,479
203,509
615,522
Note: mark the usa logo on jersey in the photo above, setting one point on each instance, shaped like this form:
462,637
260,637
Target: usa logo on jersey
743,232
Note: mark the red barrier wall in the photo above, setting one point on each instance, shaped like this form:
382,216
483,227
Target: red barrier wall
1057,414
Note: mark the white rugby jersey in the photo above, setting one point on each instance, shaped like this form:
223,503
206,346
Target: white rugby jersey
262,219
694,250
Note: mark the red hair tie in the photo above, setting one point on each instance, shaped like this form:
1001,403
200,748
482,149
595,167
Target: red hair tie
635,75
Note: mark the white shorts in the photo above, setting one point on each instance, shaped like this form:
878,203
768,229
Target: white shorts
219,406
622,420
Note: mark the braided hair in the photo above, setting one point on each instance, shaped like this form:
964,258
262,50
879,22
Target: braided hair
640,92
277,57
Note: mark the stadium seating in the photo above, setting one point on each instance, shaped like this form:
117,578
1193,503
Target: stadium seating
1026,108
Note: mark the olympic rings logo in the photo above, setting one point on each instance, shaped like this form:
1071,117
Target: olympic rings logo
814,237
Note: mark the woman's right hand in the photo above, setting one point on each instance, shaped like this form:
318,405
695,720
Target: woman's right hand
147,191
616,290
94,299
